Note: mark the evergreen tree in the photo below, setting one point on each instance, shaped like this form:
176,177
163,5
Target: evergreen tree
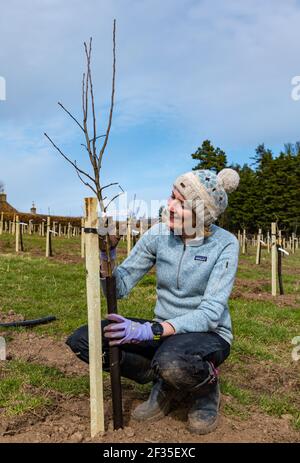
269,192
209,157
241,210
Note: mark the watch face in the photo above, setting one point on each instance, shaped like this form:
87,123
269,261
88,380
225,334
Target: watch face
157,329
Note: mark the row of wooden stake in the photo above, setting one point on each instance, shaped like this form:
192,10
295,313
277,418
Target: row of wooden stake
17,228
276,245
40,229
291,242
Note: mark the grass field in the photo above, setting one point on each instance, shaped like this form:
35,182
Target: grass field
260,373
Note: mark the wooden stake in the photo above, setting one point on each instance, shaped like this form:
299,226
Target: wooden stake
82,238
268,242
274,259
281,256
258,249
2,349
128,236
279,238
293,243
244,242
13,225
48,239
17,234
1,224
94,317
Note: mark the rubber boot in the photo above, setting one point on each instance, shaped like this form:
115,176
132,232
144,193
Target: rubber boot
158,404
203,414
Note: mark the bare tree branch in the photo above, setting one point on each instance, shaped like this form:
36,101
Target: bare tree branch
71,115
86,91
99,136
93,157
85,183
112,98
87,96
115,197
92,99
82,144
83,96
69,160
106,186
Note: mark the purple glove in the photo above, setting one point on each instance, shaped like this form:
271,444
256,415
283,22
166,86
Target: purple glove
126,331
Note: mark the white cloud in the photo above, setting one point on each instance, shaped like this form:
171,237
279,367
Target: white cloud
218,70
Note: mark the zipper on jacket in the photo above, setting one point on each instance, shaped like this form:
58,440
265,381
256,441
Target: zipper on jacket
183,251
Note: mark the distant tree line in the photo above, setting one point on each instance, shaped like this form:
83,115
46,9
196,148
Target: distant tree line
268,192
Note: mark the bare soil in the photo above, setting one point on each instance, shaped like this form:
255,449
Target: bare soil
254,290
67,420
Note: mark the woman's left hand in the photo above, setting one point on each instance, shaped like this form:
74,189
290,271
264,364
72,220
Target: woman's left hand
125,331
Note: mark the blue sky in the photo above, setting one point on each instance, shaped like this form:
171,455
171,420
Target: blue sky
187,70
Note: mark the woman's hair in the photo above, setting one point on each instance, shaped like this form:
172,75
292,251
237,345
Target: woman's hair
207,231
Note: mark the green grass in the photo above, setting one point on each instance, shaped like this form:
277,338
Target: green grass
242,396
37,245
35,286
278,406
25,386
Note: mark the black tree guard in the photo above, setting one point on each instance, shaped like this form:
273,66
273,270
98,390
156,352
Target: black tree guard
279,269
114,355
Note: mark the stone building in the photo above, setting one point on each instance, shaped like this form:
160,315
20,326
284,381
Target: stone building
4,205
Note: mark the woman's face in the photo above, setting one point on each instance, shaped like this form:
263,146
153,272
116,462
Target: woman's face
180,213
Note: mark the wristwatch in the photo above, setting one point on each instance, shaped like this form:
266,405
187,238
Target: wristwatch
157,330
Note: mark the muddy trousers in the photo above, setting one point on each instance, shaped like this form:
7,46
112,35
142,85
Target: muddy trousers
182,360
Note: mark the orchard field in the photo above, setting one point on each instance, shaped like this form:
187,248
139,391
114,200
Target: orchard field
44,388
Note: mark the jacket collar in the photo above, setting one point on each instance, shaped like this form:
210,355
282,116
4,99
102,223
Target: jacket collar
198,241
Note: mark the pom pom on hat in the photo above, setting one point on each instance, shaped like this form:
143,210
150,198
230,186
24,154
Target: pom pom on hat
229,179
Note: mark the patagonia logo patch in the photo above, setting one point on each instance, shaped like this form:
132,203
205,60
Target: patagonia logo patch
203,258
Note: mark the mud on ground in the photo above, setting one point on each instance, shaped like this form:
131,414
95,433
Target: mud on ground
67,420
254,290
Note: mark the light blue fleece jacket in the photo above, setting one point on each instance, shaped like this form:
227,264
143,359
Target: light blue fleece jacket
194,280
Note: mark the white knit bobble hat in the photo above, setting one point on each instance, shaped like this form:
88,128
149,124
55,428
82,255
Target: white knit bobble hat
211,188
